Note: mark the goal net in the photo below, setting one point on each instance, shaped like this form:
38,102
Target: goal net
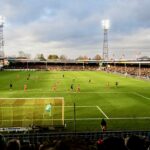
23,112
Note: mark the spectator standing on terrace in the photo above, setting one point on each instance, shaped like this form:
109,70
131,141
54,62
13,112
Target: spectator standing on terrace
103,125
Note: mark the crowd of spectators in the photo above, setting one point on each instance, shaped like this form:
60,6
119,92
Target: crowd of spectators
77,143
56,67
123,69
72,67
130,70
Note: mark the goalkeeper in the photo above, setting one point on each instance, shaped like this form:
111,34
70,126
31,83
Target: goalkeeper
48,109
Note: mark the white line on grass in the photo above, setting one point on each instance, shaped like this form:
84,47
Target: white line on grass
141,95
102,112
80,119
1,106
79,92
33,98
130,118
70,92
126,118
79,106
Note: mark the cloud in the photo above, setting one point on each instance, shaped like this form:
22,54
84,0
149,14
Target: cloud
74,27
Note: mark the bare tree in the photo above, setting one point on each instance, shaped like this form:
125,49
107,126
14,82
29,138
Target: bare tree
82,58
40,57
53,57
63,57
97,57
24,55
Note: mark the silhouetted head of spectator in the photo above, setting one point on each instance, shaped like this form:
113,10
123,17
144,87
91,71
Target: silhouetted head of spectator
2,143
114,143
72,144
135,143
46,146
13,145
100,144
63,145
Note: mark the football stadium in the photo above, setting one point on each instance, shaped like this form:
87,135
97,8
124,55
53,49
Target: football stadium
95,94
74,99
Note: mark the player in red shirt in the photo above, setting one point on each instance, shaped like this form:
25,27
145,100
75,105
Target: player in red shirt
25,87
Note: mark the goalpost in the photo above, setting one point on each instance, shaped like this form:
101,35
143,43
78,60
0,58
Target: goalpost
24,112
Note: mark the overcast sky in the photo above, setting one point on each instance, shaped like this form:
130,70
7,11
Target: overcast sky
73,27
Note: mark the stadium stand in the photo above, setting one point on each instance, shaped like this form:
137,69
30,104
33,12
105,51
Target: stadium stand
130,70
78,141
133,68
52,65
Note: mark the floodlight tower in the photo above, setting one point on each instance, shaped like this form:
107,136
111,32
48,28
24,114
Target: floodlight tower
2,21
105,25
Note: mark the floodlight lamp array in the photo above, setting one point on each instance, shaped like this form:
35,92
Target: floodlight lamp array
2,20
106,24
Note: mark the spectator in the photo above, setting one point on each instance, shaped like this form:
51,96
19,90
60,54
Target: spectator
103,125
135,143
13,145
2,143
114,143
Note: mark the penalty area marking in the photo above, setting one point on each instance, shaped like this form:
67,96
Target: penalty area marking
69,106
102,112
125,118
135,93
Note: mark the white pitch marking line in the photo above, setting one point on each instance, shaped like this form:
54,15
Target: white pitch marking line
80,119
141,95
80,92
24,98
40,106
135,118
70,92
75,106
102,112
129,118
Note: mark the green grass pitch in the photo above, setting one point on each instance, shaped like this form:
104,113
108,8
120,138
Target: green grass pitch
126,107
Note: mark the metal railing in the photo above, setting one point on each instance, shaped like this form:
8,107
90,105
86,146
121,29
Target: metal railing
39,137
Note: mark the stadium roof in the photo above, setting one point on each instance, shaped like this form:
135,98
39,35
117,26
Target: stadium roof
144,58
80,61
1,58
